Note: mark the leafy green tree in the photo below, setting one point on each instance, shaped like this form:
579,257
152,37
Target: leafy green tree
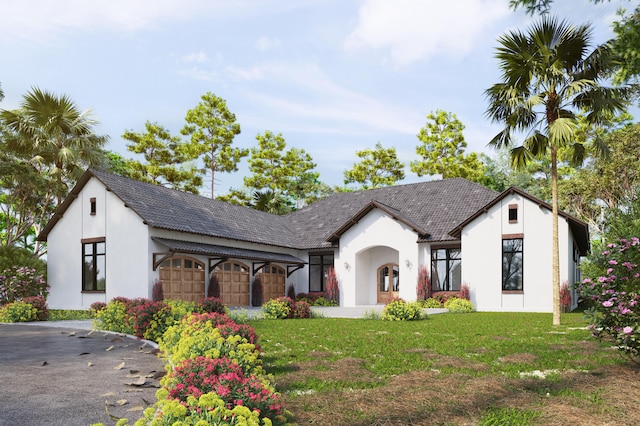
442,151
377,167
548,74
212,128
271,201
287,173
55,136
166,162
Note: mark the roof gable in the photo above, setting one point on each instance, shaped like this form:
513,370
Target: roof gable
579,228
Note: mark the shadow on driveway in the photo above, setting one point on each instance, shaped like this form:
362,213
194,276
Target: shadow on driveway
64,376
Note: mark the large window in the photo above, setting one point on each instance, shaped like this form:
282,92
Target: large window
512,264
319,265
93,265
446,269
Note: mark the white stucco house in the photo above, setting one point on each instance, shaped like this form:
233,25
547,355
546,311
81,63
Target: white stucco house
115,236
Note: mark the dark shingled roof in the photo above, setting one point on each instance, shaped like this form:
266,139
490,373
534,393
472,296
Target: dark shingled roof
435,210
435,206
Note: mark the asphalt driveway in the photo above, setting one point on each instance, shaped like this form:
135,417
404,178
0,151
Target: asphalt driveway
71,376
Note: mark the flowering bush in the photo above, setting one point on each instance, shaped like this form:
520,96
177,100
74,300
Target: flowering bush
18,312
457,305
316,299
198,335
442,296
114,317
157,293
333,290
212,304
277,308
208,409
151,319
95,308
464,291
38,302
423,289
195,377
615,295
431,303
16,283
301,309
399,310
565,297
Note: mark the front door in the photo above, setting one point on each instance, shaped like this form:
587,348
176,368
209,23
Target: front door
388,282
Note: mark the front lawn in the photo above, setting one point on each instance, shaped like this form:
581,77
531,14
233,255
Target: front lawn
480,368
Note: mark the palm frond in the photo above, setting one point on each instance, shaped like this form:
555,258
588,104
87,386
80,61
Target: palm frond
578,153
561,131
537,144
520,156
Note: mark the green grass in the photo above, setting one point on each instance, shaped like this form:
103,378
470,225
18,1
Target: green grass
67,314
392,348
507,417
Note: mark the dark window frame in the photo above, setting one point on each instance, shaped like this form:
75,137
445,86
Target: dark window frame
90,280
513,213
509,262
92,204
449,260
324,265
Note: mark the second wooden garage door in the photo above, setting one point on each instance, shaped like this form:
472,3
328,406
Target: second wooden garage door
234,280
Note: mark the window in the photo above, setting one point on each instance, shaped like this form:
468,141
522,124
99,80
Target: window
446,269
513,213
93,265
389,278
319,265
512,264
92,201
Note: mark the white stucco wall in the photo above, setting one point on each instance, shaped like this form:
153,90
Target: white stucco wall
126,250
482,256
375,240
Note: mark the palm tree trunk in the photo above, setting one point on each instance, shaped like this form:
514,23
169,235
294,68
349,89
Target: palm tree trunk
555,261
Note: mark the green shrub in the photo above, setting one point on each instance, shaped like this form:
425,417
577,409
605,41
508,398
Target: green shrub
69,314
151,319
114,317
399,310
95,308
276,309
18,312
11,256
212,304
457,305
301,310
431,303
181,308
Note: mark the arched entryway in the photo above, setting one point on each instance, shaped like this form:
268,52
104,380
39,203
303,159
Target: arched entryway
234,280
273,279
182,278
388,282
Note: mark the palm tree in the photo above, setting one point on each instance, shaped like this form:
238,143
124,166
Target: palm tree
55,136
549,74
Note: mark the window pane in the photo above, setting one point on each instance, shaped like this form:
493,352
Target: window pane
396,279
315,260
512,264
100,248
100,273
315,278
188,263
439,275
455,274
383,279
176,263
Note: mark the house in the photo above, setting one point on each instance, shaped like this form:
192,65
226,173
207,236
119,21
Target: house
115,236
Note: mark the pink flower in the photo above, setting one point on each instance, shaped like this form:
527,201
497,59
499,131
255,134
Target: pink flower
613,262
627,330
607,303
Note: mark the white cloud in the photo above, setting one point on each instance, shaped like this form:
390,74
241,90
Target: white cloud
409,30
265,43
197,57
245,74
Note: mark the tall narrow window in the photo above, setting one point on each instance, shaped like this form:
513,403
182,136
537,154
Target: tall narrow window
513,213
319,265
512,264
93,265
446,269
93,206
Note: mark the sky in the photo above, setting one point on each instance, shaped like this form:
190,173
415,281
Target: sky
333,76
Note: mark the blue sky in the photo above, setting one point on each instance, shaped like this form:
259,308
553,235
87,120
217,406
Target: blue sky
333,76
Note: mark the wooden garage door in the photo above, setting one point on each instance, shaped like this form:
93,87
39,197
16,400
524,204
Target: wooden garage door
273,282
182,279
234,278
